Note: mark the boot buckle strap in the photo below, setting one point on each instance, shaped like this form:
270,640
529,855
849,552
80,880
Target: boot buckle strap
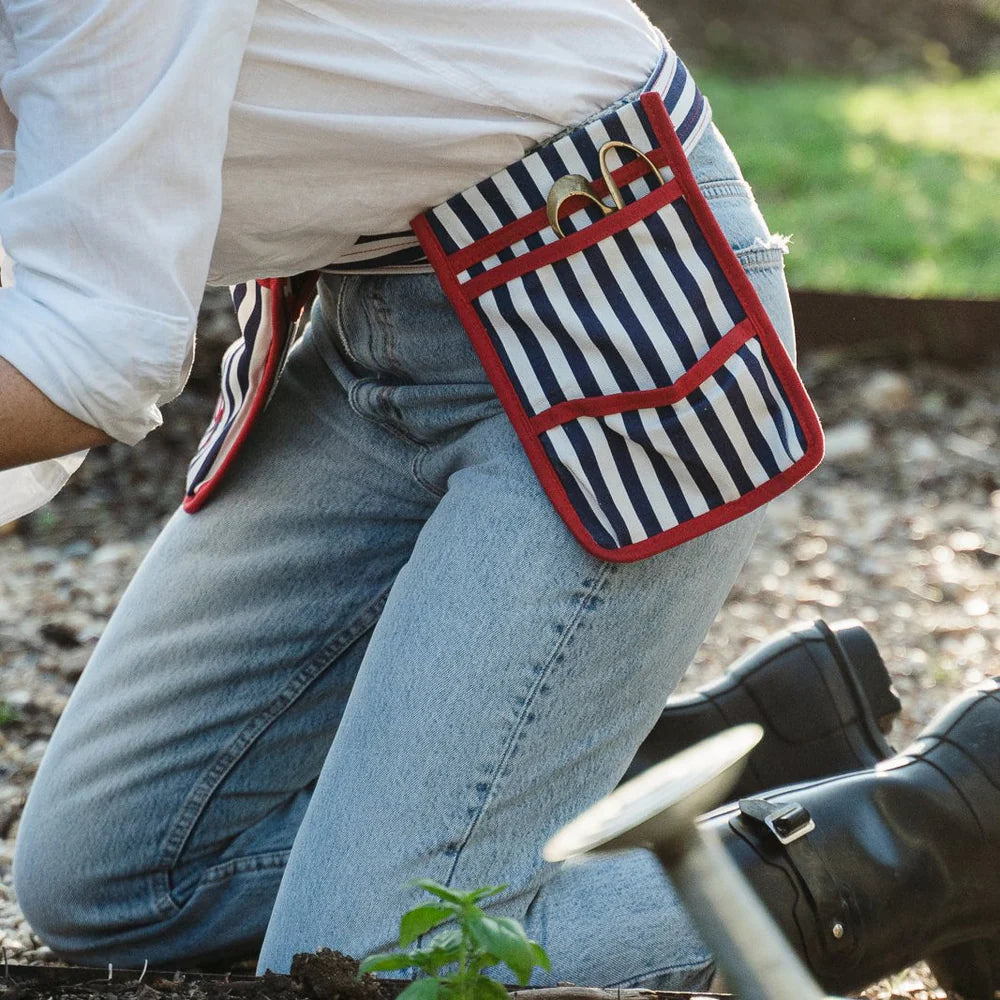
787,823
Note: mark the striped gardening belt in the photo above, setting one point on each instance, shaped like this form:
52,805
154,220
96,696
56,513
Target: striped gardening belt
632,355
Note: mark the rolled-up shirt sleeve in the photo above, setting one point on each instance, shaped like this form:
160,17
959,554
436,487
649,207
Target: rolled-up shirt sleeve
107,230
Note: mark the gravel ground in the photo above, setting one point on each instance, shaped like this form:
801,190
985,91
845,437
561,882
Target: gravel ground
900,528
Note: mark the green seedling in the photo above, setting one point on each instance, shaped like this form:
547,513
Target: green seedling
476,941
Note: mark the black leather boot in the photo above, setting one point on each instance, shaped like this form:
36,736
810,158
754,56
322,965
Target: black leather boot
867,873
822,694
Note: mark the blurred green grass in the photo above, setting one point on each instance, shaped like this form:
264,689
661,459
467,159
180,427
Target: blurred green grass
890,186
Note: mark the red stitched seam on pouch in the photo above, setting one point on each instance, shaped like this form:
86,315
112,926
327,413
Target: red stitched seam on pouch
600,406
568,245
538,220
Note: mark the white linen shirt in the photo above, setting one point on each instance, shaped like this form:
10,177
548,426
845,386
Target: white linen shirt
150,148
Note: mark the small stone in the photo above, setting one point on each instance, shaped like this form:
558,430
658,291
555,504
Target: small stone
79,549
887,392
851,439
41,954
63,634
35,751
44,557
965,541
922,449
976,607
19,699
113,552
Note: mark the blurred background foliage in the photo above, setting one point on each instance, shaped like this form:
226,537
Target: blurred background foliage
869,131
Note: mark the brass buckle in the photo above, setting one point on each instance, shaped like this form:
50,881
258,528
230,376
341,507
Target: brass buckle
577,186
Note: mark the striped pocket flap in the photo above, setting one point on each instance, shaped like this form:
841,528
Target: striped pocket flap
271,313
643,376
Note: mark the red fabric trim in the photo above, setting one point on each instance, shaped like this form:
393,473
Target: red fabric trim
569,245
709,520
756,323
538,220
279,332
774,349
600,406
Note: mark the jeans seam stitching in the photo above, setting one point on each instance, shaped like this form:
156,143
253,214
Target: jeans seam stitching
339,331
759,259
382,422
605,570
201,792
713,190
381,309
245,863
422,480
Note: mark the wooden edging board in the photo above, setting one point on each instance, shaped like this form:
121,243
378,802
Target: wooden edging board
958,332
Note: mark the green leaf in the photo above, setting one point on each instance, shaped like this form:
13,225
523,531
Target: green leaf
488,890
442,949
540,956
421,989
484,988
429,961
505,938
421,919
433,960
441,891
450,939
385,961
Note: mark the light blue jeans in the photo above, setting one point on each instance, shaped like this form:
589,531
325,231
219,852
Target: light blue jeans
377,654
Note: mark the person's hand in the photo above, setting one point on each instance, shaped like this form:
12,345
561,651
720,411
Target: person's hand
33,428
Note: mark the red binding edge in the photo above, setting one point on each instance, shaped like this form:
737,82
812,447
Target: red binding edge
757,323
572,242
280,325
538,220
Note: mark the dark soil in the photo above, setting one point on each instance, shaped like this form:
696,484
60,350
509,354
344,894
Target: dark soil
326,975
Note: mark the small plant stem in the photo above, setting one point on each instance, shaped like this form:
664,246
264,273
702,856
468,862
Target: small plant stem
463,967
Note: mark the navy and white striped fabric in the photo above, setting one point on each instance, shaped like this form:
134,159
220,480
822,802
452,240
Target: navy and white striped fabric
270,314
649,389
242,366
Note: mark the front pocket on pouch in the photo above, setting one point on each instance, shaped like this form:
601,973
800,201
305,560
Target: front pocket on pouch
643,376
635,474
